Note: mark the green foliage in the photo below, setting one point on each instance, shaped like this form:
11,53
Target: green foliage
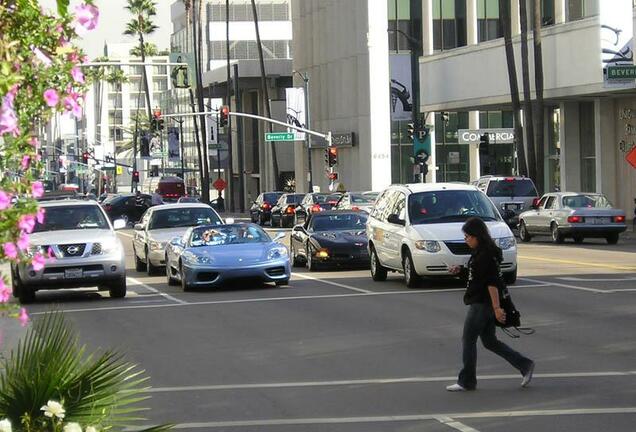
150,50
100,389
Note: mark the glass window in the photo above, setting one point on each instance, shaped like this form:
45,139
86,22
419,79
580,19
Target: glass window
73,218
182,217
449,24
271,197
489,25
550,204
338,222
115,133
586,201
588,148
159,84
512,187
579,9
114,101
450,206
115,117
554,151
227,234
160,70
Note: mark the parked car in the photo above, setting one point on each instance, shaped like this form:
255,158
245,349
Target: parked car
284,212
313,203
417,229
208,255
355,201
103,197
188,199
126,207
85,248
575,215
331,238
261,209
162,223
511,195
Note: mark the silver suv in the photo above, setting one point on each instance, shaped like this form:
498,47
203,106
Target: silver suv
511,195
86,251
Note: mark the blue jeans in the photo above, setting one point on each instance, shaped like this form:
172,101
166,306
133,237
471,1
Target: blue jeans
480,322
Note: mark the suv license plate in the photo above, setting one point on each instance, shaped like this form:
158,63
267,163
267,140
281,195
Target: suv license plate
512,206
73,273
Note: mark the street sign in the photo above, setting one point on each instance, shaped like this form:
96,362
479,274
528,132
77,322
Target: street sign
120,170
280,136
631,157
621,72
219,184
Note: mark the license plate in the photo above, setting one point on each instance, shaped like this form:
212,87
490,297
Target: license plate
512,206
73,273
601,220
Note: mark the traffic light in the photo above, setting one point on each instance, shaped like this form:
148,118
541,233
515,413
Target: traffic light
411,131
135,176
224,115
154,171
144,145
333,176
85,157
156,123
331,156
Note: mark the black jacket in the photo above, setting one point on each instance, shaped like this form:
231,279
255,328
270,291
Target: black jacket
482,273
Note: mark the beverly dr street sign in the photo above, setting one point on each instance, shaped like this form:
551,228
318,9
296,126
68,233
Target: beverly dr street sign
280,136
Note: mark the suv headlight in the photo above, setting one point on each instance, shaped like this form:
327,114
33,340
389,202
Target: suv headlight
275,253
506,243
110,246
430,246
156,245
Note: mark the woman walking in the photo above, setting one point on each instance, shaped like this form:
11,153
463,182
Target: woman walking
482,298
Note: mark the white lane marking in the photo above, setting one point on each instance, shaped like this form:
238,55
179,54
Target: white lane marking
328,282
146,301
156,291
452,423
576,279
400,418
380,381
575,287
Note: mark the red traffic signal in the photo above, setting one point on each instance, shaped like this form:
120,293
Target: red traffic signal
135,176
333,176
332,156
85,157
224,114
156,113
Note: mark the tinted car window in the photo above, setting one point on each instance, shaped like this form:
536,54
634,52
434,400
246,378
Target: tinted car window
182,217
512,188
319,198
295,199
449,206
271,197
115,199
586,201
227,234
362,199
336,222
73,218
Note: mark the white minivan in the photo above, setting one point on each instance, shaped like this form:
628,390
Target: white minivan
417,229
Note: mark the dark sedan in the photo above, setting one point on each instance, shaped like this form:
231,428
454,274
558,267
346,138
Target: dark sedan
284,212
331,238
261,210
314,203
126,207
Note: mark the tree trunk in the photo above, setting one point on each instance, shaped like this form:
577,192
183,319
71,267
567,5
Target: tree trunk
143,74
539,108
504,7
265,93
527,97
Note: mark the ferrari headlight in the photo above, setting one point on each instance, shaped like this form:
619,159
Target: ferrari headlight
156,245
506,243
430,246
275,253
203,259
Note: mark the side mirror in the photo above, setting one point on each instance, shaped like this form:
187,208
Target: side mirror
535,203
138,227
298,228
119,224
229,220
176,241
279,236
395,219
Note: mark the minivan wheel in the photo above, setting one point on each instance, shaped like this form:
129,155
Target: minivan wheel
411,278
524,235
378,272
557,237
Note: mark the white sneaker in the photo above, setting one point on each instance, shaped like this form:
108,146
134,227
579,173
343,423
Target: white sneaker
455,388
527,377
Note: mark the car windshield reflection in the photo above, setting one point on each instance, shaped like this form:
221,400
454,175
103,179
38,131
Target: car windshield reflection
227,234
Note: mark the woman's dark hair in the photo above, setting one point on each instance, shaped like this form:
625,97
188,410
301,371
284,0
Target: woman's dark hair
477,228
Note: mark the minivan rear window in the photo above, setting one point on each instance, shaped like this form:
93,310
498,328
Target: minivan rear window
511,188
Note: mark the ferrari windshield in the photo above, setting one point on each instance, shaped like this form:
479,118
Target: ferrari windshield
450,206
227,234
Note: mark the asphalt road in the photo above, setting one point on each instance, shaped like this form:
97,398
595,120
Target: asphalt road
335,351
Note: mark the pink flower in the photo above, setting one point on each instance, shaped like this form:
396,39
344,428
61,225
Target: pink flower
51,253
35,142
37,189
26,161
5,292
51,97
23,317
71,105
23,242
41,56
10,251
38,262
73,57
77,75
8,119
39,216
86,17
5,200
27,223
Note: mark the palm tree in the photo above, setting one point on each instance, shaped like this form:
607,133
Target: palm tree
527,97
538,83
150,50
140,25
504,7
268,107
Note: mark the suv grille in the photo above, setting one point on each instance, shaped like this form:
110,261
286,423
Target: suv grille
72,250
96,249
458,248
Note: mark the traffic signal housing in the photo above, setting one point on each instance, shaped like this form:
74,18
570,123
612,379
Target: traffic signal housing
331,156
411,131
135,176
224,115
85,157
157,122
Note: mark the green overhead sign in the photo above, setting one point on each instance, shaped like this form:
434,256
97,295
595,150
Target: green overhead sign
280,136
621,72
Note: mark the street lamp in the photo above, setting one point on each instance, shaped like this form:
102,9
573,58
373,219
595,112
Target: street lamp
305,79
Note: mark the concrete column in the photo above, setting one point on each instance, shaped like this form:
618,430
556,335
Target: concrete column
472,34
431,177
427,27
569,134
559,11
605,143
473,149
514,14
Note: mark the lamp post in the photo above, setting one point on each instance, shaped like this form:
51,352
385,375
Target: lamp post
305,79
444,115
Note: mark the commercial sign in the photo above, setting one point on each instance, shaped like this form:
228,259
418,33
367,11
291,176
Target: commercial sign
497,136
338,139
401,87
295,109
182,76
174,152
616,33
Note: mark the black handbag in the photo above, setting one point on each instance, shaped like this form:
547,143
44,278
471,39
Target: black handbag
513,316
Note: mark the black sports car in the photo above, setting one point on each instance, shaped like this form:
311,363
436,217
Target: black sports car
335,237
